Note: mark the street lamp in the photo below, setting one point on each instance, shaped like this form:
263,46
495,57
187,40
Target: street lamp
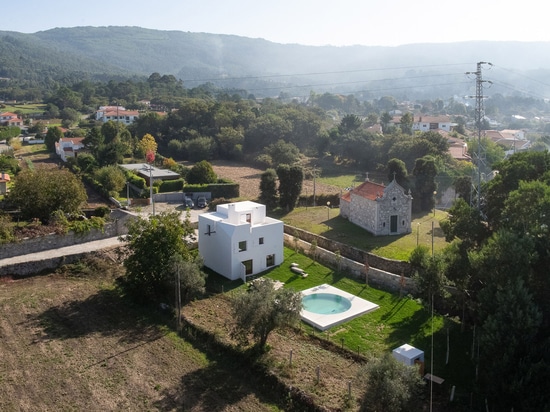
435,193
328,210
151,187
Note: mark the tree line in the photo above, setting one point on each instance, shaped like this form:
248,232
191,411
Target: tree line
497,264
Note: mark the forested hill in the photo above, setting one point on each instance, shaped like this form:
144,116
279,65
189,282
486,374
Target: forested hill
266,68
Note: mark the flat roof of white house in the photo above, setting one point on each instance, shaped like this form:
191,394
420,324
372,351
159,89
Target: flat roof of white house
243,206
157,173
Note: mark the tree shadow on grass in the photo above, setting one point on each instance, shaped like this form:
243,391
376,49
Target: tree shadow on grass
105,312
398,305
335,276
226,382
213,388
410,330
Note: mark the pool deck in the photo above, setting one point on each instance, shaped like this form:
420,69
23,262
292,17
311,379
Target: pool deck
358,307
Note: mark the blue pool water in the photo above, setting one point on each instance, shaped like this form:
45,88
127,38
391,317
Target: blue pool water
325,303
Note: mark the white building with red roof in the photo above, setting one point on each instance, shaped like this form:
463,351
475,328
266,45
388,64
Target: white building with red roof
68,147
116,114
382,210
4,179
427,123
10,119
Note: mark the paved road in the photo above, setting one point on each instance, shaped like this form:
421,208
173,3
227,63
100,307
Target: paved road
64,251
91,246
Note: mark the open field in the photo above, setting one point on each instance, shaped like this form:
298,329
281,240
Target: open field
24,108
69,342
328,223
248,178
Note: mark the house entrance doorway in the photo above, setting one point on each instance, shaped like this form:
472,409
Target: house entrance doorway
393,224
247,267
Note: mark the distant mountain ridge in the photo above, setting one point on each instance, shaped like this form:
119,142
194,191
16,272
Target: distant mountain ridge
267,68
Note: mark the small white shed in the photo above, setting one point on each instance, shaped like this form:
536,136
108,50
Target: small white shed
409,355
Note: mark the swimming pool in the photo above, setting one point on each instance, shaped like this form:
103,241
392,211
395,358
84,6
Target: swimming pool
325,306
325,303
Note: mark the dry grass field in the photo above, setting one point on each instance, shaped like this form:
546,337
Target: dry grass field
248,178
68,342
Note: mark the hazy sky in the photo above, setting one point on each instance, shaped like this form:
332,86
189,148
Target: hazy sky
309,22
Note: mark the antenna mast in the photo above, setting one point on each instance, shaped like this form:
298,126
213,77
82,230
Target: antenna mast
480,154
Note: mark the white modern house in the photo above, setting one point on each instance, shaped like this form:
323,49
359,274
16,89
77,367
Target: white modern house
238,240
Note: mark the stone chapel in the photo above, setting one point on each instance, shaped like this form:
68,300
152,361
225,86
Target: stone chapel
382,210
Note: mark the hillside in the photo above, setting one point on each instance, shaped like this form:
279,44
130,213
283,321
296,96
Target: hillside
267,68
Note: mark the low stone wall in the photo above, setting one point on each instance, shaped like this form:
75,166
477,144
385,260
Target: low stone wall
36,267
350,252
116,227
382,279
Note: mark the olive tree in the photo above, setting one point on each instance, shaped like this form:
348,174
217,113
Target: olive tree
391,386
264,308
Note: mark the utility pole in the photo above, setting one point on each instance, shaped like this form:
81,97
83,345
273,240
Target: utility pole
480,155
178,298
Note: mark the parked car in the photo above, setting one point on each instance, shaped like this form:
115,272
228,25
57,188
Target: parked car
201,202
188,202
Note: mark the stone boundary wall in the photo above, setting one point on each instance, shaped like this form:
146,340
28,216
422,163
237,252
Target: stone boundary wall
350,252
376,277
116,227
36,267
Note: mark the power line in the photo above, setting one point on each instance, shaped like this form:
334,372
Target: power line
324,73
522,75
395,79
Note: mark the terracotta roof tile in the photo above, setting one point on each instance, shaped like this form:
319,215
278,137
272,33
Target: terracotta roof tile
369,190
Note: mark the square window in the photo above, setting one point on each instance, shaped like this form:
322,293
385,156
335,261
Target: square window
261,241
270,260
242,246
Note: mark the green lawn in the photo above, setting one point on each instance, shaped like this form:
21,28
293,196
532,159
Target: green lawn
328,223
25,108
399,320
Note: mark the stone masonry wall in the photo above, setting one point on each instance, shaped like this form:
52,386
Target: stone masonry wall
114,228
374,277
352,253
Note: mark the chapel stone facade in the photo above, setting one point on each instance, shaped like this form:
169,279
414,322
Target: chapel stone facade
382,210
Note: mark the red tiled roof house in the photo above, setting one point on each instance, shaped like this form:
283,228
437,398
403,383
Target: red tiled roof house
68,147
4,179
382,210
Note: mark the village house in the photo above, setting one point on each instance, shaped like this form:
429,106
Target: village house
68,147
427,123
10,119
238,240
382,210
150,173
116,114
511,140
4,179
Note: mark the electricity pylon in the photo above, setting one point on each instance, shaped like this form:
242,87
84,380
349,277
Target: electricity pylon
480,154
